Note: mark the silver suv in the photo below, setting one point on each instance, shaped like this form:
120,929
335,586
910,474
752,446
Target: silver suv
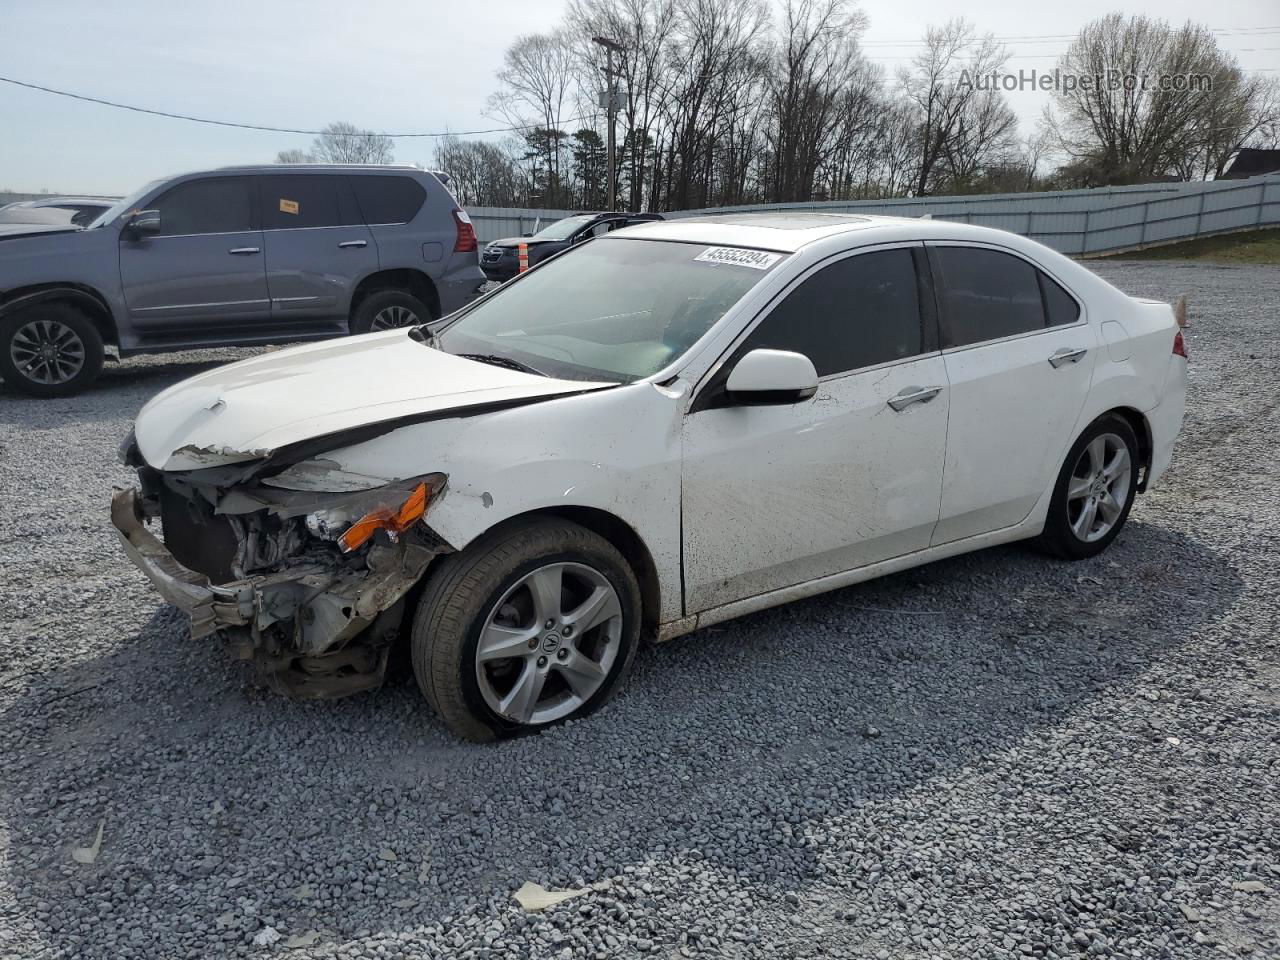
232,257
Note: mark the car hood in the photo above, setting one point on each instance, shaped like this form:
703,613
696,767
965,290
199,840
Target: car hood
247,410
506,242
11,231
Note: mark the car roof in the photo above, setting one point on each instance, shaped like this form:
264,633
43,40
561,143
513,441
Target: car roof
789,231
54,201
597,215
316,168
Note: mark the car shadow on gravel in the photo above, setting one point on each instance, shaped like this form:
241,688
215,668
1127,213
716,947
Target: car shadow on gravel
227,809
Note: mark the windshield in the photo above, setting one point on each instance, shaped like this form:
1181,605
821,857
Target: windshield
562,229
121,206
613,309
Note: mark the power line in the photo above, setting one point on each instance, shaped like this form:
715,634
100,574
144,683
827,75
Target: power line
889,45
1034,38
1054,56
255,126
1051,37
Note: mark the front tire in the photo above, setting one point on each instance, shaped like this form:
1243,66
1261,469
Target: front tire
526,628
49,350
1095,490
388,310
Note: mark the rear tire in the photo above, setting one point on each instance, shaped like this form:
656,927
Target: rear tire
49,350
388,310
569,648
1095,490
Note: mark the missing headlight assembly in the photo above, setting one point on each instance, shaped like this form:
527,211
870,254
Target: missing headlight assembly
308,584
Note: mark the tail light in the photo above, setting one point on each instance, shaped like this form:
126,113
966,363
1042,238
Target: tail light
1179,346
466,242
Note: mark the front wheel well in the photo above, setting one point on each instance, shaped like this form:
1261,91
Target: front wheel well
623,537
412,281
86,299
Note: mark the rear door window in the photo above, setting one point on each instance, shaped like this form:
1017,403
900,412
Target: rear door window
986,295
294,201
855,313
388,199
213,205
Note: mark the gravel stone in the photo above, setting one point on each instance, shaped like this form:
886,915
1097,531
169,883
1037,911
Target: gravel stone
1072,755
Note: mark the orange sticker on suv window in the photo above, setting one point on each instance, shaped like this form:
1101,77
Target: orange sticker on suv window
289,206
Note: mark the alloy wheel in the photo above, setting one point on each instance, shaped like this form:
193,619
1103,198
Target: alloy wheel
548,645
1099,487
47,352
389,318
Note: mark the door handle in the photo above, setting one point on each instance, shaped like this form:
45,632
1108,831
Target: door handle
244,251
347,244
1066,355
912,395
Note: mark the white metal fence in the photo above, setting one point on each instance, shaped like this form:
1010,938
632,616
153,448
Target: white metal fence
1075,222
496,223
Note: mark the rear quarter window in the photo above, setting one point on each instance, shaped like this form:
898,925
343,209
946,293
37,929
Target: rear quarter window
1060,307
386,199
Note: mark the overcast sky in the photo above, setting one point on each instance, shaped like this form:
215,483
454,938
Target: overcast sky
388,66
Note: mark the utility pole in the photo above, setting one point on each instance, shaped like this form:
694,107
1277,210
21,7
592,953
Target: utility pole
611,105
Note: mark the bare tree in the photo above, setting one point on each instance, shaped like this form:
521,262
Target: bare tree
986,132
644,28
724,104
346,143
952,108
484,174
898,146
1244,111
1170,101
538,79
293,156
716,68
814,66
343,143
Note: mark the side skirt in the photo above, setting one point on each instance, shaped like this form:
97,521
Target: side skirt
1027,528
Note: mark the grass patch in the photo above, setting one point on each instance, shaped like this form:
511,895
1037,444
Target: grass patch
1256,246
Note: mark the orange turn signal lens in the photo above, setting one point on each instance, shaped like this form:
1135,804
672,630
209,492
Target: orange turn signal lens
395,522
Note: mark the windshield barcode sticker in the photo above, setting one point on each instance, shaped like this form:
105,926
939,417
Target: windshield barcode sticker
738,257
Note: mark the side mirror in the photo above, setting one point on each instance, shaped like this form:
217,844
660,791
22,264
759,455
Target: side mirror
144,223
526,234
771,376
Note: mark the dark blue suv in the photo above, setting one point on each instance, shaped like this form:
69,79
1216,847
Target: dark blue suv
237,256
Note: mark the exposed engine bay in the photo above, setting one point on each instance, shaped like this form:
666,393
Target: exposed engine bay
307,586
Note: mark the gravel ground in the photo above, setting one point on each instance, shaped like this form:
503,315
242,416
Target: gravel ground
994,756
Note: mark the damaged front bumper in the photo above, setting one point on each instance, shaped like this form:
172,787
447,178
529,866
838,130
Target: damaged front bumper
312,629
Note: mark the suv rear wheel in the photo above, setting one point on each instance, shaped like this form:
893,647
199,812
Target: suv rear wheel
387,310
49,350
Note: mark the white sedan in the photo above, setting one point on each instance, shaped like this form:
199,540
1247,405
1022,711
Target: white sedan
669,426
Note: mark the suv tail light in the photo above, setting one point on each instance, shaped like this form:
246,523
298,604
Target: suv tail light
1179,346
466,242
